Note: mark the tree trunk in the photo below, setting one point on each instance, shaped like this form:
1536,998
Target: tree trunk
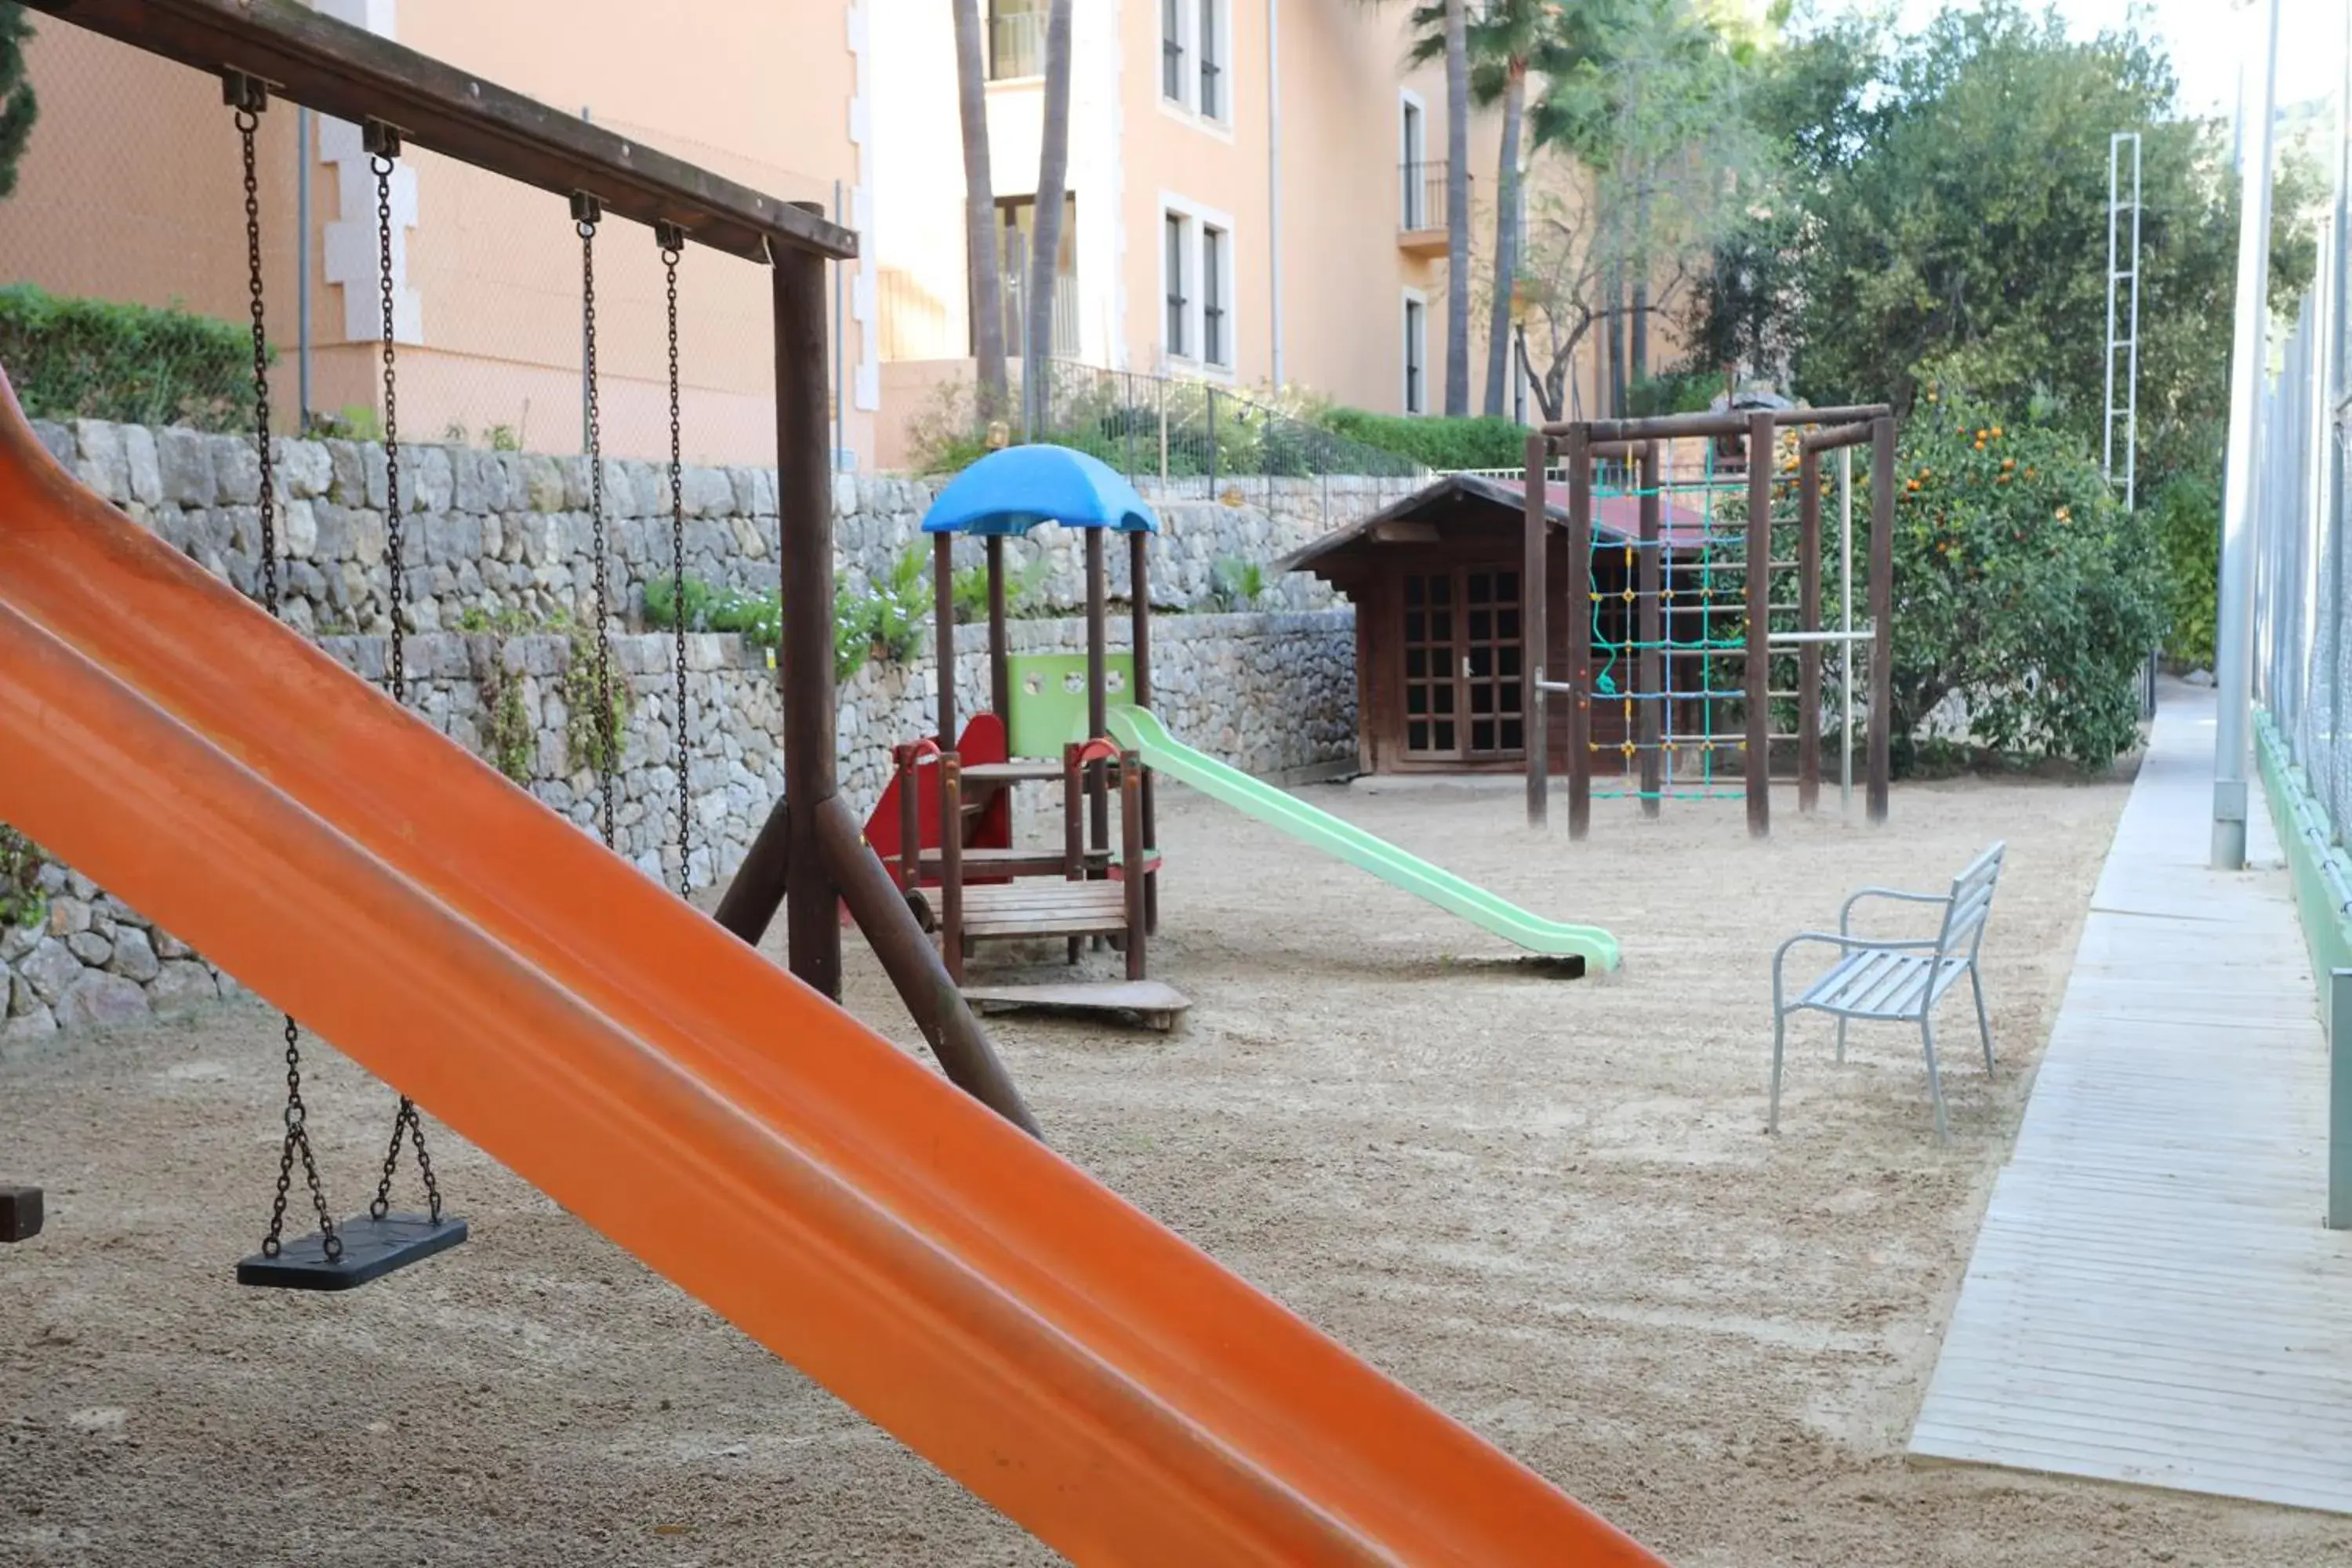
1637,324
1046,250
1613,301
1457,207
987,291
1506,242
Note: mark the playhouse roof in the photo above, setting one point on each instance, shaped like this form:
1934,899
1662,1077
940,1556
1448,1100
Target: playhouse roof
1459,497
1014,490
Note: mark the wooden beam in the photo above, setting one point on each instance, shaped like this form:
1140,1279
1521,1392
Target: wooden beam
1650,680
1579,634
805,534
1758,703
351,74
1535,621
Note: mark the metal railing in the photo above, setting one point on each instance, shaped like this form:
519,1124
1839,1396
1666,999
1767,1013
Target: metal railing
1421,192
1186,439
1016,45
1016,312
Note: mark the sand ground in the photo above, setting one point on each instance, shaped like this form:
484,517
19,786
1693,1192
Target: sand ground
1549,1205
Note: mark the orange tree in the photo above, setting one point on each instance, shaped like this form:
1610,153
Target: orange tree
2021,588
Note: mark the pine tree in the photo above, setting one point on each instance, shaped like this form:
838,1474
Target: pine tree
17,109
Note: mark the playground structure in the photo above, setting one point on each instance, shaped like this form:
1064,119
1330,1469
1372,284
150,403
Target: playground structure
922,1256
1654,608
946,820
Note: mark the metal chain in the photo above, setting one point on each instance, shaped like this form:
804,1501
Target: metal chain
298,1134
396,672
406,1121
670,253
606,742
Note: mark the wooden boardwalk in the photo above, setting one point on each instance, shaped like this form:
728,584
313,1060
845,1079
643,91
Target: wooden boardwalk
2153,1297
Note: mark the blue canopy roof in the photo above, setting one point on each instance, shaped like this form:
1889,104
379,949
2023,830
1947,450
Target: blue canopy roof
1014,490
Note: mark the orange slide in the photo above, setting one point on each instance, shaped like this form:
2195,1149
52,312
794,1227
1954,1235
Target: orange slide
1100,1381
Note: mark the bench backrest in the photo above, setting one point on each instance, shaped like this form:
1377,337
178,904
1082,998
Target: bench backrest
1964,917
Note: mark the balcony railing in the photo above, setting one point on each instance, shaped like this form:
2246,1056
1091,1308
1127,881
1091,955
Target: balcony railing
1065,314
1016,45
1421,189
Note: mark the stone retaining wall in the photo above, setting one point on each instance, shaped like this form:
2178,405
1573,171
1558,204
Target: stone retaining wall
508,533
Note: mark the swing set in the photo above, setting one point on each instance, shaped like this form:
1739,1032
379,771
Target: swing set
809,861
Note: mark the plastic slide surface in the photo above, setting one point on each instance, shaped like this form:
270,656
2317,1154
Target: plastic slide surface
1141,731
1099,1380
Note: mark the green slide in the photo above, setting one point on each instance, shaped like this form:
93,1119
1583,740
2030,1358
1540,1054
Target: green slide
1138,729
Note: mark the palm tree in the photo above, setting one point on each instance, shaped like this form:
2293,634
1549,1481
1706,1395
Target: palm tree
1046,250
980,211
1457,207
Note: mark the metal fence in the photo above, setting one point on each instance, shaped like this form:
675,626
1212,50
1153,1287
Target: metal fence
2301,516
1197,440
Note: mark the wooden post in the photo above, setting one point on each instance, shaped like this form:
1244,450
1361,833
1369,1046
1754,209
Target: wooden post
943,654
1579,674
1000,659
1650,692
1097,688
1073,827
805,530
939,1009
1758,770
951,865
910,821
1535,594
1131,853
1139,592
2340,1099
1882,611
1809,619
760,882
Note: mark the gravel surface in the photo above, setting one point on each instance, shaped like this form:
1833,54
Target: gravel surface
1546,1204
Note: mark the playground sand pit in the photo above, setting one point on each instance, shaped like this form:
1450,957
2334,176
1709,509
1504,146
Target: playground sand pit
1549,1205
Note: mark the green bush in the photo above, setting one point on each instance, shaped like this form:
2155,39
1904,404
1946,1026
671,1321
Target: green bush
1484,442
1672,392
22,902
2019,586
1235,583
2187,518
92,359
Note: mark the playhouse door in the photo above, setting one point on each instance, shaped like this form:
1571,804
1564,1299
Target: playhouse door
1494,726
1432,668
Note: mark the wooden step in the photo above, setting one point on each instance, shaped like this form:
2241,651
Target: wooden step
1011,772
1147,1002
1045,908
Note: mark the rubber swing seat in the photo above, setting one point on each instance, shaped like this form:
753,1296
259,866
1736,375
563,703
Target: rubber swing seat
371,1249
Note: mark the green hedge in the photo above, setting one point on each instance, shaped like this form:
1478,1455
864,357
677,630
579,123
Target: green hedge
1434,443
94,359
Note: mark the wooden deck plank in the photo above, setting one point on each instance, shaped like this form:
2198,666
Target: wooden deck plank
2152,1298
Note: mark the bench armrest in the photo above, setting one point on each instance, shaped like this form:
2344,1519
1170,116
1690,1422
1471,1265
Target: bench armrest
1891,895
1845,942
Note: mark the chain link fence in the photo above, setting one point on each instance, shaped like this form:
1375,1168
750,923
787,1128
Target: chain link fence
2303,569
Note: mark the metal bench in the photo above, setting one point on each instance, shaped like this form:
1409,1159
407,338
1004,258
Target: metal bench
1895,980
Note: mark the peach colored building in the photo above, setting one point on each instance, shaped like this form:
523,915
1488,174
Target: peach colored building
1255,199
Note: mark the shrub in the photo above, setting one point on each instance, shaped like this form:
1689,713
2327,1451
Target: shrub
93,359
1235,583
2019,586
1672,392
22,902
1484,442
2187,518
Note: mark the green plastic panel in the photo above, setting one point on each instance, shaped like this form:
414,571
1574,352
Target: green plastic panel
1049,699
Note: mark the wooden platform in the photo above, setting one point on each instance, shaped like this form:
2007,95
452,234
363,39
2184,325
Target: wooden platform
2153,1297
1148,1002
1045,907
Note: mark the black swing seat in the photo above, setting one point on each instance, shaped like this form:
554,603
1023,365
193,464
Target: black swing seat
371,1249
20,1213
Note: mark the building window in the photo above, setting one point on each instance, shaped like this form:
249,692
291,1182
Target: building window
1016,40
1180,244
1216,268
1412,156
1171,50
1213,63
1416,355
